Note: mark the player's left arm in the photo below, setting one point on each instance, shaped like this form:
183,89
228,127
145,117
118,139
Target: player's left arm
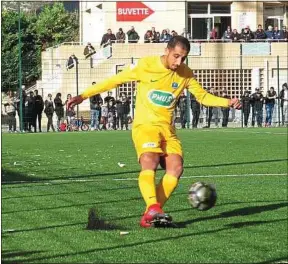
207,99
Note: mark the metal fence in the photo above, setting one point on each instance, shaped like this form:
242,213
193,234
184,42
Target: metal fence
233,74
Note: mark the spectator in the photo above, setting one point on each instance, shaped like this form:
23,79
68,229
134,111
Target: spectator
246,34
107,39
109,98
235,36
71,62
225,111
284,104
123,109
276,33
270,102
196,108
104,116
158,36
10,109
89,50
95,110
49,111
284,34
70,113
257,107
31,112
133,36
260,33
165,37
227,34
23,110
111,116
214,33
154,35
148,38
246,106
59,109
269,33
174,33
182,104
185,34
215,110
39,106
120,36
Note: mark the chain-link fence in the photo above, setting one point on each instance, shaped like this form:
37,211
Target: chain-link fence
67,74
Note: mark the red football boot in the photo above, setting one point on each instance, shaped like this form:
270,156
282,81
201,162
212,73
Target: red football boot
155,217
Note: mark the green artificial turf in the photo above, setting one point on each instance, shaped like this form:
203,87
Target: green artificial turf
51,180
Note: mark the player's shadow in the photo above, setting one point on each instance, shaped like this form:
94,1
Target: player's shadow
237,212
12,177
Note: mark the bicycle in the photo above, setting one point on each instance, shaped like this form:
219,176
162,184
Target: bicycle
77,125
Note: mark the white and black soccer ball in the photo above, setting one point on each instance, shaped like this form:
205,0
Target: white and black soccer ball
202,196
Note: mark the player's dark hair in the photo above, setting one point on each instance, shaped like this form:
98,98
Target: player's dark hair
180,41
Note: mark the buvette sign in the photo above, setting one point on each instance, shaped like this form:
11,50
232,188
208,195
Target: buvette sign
132,11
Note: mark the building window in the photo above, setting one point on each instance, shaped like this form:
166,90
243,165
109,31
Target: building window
220,8
197,8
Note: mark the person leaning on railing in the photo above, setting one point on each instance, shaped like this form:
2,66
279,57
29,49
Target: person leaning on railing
107,38
284,34
133,36
120,36
260,33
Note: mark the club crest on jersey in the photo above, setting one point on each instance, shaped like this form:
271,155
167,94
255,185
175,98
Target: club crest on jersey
161,98
175,85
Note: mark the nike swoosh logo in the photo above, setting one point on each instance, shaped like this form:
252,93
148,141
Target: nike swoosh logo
154,80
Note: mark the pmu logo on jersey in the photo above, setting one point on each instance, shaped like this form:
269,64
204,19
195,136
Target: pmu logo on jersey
175,85
161,98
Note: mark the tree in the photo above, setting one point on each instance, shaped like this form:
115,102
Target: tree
51,26
10,50
55,25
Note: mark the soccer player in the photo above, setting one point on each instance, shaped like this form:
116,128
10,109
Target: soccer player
161,80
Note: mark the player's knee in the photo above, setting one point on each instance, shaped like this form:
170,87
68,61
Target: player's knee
176,171
149,161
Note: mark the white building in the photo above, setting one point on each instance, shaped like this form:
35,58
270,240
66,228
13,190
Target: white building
198,17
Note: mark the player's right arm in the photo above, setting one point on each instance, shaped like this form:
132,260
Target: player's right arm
129,74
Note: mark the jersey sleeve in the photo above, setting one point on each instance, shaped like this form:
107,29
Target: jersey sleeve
130,73
203,97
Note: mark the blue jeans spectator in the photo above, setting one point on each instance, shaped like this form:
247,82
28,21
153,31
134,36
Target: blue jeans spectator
269,113
94,116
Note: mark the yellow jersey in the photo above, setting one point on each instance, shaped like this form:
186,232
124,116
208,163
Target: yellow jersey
158,89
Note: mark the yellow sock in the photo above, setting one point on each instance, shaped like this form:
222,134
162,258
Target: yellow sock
165,188
147,186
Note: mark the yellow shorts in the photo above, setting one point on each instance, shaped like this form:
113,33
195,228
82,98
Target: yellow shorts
156,138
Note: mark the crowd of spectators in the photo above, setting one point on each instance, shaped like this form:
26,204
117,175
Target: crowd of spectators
115,114
247,34
253,104
151,36
154,36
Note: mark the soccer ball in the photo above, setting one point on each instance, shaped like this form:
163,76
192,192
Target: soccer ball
202,196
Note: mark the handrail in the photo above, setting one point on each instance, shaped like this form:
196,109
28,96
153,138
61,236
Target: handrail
190,40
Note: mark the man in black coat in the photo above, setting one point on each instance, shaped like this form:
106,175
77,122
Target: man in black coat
182,104
225,111
39,106
257,107
246,106
123,109
196,108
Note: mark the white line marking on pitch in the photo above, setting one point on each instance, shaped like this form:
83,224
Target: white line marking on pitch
136,178
216,175
247,132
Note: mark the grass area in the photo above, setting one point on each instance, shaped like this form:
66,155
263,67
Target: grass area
51,180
